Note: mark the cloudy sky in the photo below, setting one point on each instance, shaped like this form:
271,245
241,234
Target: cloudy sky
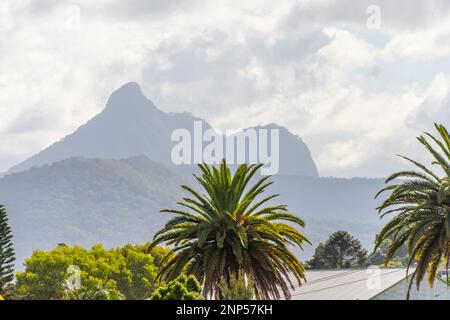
357,80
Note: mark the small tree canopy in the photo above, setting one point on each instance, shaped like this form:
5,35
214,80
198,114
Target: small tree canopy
124,273
341,250
182,288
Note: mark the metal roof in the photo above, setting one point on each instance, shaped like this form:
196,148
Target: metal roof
347,284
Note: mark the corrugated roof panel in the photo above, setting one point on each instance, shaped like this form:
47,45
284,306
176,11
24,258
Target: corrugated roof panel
348,284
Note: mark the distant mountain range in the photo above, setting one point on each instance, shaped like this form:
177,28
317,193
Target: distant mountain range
107,181
131,125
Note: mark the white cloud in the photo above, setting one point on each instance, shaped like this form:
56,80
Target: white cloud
312,66
421,45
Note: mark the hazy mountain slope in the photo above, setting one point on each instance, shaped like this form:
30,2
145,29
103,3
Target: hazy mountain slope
294,156
83,201
131,125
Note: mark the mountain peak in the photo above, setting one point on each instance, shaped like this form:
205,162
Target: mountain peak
128,96
295,156
273,125
129,88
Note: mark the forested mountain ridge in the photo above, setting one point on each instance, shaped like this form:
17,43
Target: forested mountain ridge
83,201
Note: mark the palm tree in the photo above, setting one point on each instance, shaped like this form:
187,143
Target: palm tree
421,202
225,230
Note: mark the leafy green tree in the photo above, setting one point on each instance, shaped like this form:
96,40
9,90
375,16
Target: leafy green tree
124,273
158,253
182,288
226,229
341,250
237,288
7,256
420,200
